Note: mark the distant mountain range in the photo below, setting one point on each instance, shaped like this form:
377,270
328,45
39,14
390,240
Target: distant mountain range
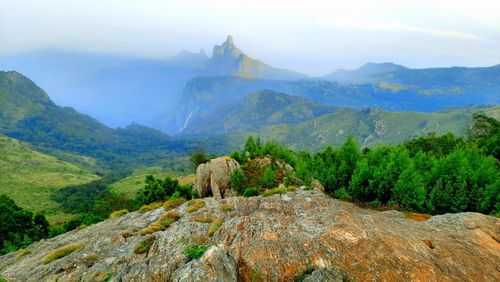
119,90
310,125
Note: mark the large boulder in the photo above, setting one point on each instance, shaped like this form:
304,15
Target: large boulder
213,178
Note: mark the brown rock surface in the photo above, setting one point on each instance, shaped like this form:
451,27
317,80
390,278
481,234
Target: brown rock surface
275,238
212,178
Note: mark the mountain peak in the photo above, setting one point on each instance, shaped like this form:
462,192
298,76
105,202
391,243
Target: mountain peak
229,40
227,49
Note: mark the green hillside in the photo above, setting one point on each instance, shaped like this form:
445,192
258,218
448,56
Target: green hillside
257,109
370,127
30,178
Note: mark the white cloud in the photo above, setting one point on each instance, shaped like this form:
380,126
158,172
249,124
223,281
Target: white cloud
360,24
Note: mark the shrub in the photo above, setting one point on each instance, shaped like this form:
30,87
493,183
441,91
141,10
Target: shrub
199,157
238,180
195,252
195,205
150,207
215,225
268,180
144,245
171,204
251,192
226,208
118,213
274,191
61,252
342,194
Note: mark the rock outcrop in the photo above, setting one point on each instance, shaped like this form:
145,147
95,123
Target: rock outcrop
212,178
277,238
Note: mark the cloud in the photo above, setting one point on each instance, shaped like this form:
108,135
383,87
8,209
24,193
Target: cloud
353,23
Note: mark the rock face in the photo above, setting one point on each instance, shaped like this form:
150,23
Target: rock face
212,178
275,238
214,265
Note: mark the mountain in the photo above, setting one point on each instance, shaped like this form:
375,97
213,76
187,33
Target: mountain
31,178
364,74
28,114
190,59
228,59
296,236
255,110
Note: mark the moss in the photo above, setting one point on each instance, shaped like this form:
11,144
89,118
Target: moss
150,207
118,213
195,205
171,204
215,225
61,252
274,191
226,208
195,252
21,253
144,245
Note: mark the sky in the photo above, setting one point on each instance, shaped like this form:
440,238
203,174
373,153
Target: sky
313,36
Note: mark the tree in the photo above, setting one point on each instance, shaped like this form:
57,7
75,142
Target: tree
409,190
251,147
349,155
198,157
268,179
238,180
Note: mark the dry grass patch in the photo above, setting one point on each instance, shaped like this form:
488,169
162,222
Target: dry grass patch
21,253
226,208
203,218
150,207
61,252
215,225
162,223
118,213
171,204
274,191
194,205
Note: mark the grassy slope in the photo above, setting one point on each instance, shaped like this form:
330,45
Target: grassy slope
130,185
30,178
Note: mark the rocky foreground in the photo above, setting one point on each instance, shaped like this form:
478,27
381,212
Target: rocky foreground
300,234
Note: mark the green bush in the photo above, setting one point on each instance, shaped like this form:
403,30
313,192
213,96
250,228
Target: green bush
144,245
268,179
195,252
251,192
238,180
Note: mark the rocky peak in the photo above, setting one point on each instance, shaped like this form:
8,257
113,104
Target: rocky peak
227,49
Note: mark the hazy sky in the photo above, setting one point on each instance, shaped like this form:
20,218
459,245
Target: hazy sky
310,36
